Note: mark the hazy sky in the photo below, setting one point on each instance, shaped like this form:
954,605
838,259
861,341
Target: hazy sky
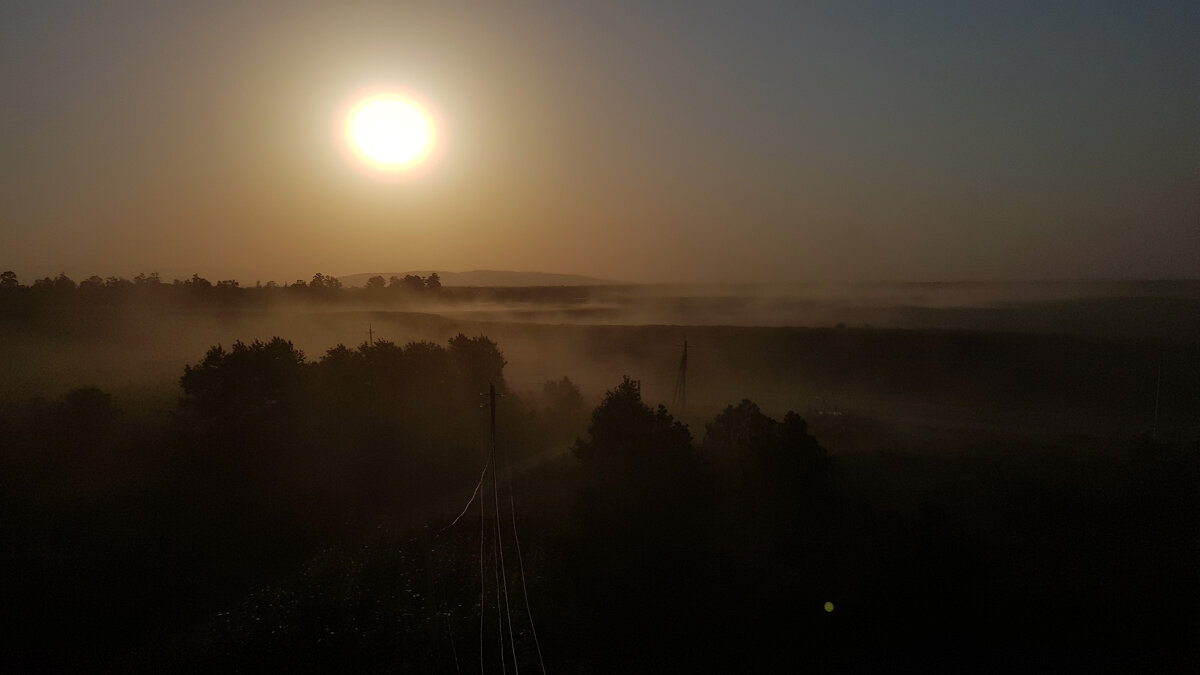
691,141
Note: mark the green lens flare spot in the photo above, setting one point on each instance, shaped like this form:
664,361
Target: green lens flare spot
829,607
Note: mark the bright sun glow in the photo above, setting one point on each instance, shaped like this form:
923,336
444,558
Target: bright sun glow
390,132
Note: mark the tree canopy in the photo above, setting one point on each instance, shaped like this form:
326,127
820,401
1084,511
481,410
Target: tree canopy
625,432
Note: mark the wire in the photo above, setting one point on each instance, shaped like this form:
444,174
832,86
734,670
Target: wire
524,586
472,499
482,531
503,571
520,559
496,549
499,569
516,541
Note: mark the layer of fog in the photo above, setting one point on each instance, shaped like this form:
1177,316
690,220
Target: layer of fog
815,349
1126,309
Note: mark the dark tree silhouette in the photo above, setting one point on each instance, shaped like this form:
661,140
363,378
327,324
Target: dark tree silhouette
740,430
564,409
478,362
324,287
643,517
625,432
414,283
798,444
375,285
744,433
14,298
247,382
198,282
562,396
433,283
60,286
85,414
773,471
427,364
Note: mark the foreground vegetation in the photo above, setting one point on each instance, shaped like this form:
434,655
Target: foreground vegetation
291,514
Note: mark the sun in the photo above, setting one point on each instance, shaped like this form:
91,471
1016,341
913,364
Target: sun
389,132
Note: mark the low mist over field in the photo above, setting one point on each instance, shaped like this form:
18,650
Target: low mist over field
135,337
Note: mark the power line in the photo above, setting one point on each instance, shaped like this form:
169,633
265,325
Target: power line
472,499
499,568
521,565
499,540
482,520
496,548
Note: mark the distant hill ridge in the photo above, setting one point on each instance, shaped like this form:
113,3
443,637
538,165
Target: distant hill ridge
487,278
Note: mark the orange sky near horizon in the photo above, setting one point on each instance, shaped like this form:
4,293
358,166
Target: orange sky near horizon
643,143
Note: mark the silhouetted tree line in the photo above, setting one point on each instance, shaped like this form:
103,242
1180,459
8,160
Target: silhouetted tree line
369,429
646,550
61,292
17,298
377,286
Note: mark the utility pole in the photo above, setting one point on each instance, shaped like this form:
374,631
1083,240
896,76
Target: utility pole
491,404
370,335
679,399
